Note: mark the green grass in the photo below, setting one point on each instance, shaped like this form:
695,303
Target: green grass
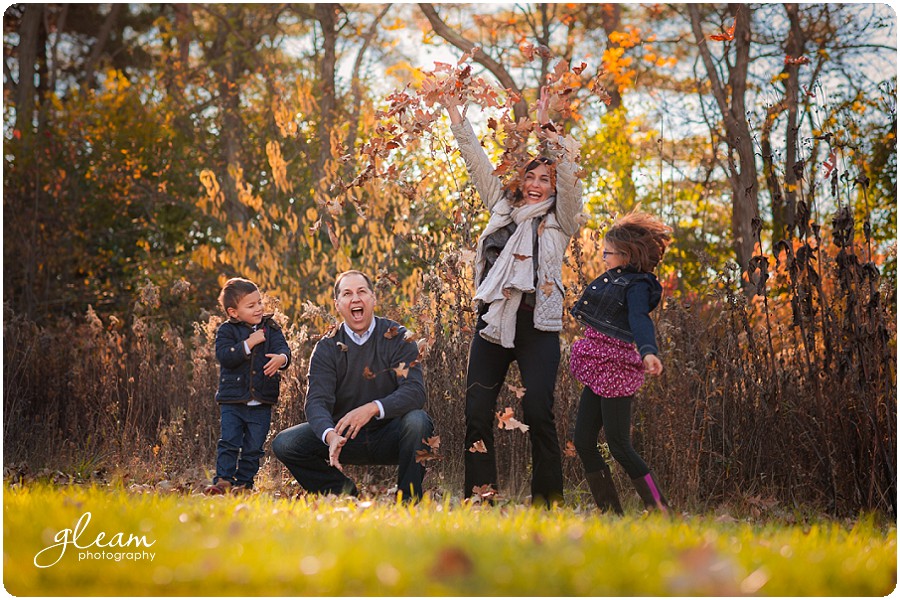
259,545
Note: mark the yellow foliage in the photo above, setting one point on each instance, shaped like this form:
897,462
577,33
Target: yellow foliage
626,39
279,167
404,72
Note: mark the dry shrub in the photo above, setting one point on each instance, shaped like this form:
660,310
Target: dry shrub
787,399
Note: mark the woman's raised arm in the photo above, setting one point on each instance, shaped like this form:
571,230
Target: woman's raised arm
569,203
488,185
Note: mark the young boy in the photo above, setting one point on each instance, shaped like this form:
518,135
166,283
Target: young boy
251,350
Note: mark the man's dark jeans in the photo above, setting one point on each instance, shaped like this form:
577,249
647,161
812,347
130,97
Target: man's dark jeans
244,431
394,443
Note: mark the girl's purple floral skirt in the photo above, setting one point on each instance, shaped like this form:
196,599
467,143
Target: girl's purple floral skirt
610,367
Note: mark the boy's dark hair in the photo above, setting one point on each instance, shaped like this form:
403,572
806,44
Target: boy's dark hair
642,237
234,290
340,277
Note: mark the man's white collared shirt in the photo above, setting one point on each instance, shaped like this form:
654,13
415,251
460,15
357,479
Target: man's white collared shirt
360,338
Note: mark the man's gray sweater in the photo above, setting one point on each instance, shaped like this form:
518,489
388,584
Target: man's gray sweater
343,376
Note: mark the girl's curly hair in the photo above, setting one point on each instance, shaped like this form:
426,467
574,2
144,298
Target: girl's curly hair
642,238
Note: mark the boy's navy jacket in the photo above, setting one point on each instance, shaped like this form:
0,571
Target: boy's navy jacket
241,377
618,304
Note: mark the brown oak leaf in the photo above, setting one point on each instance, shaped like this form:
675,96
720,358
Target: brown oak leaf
422,456
433,442
799,60
478,447
368,374
402,370
507,421
724,37
486,491
392,332
518,391
570,449
527,49
521,256
547,288
342,346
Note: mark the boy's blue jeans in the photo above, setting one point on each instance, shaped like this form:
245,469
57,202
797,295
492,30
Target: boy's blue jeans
244,431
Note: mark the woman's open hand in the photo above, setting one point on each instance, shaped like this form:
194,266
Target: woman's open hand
546,128
543,107
452,103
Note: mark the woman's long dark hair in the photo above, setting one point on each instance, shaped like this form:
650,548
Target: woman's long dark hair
514,188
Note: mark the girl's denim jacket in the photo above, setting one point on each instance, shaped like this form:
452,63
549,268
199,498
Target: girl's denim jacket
618,304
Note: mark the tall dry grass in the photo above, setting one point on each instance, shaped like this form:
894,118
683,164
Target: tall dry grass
787,398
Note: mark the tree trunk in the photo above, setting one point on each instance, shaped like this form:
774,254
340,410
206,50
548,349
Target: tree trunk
29,33
610,19
784,219
730,100
226,65
326,16
356,86
90,65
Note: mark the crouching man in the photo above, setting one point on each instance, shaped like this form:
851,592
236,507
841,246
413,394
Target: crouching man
364,403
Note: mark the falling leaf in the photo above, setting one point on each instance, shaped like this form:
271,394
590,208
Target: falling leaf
543,51
342,346
725,37
392,332
368,374
518,391
570,449
521,256
830,163
547,288
527,49
577,70
451,563
433,442
800,60
486,491
401,370
478,447
470,54
331,234
423,456
506,421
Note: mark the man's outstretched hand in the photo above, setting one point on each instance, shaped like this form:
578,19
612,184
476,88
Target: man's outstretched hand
335,443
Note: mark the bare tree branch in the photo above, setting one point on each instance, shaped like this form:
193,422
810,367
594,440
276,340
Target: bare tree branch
520,108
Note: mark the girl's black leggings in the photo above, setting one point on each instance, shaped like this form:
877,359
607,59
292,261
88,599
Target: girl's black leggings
613,415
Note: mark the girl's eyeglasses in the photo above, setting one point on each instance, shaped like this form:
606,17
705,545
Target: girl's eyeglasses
608,253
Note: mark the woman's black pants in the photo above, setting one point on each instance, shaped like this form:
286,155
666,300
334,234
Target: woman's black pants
537,353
